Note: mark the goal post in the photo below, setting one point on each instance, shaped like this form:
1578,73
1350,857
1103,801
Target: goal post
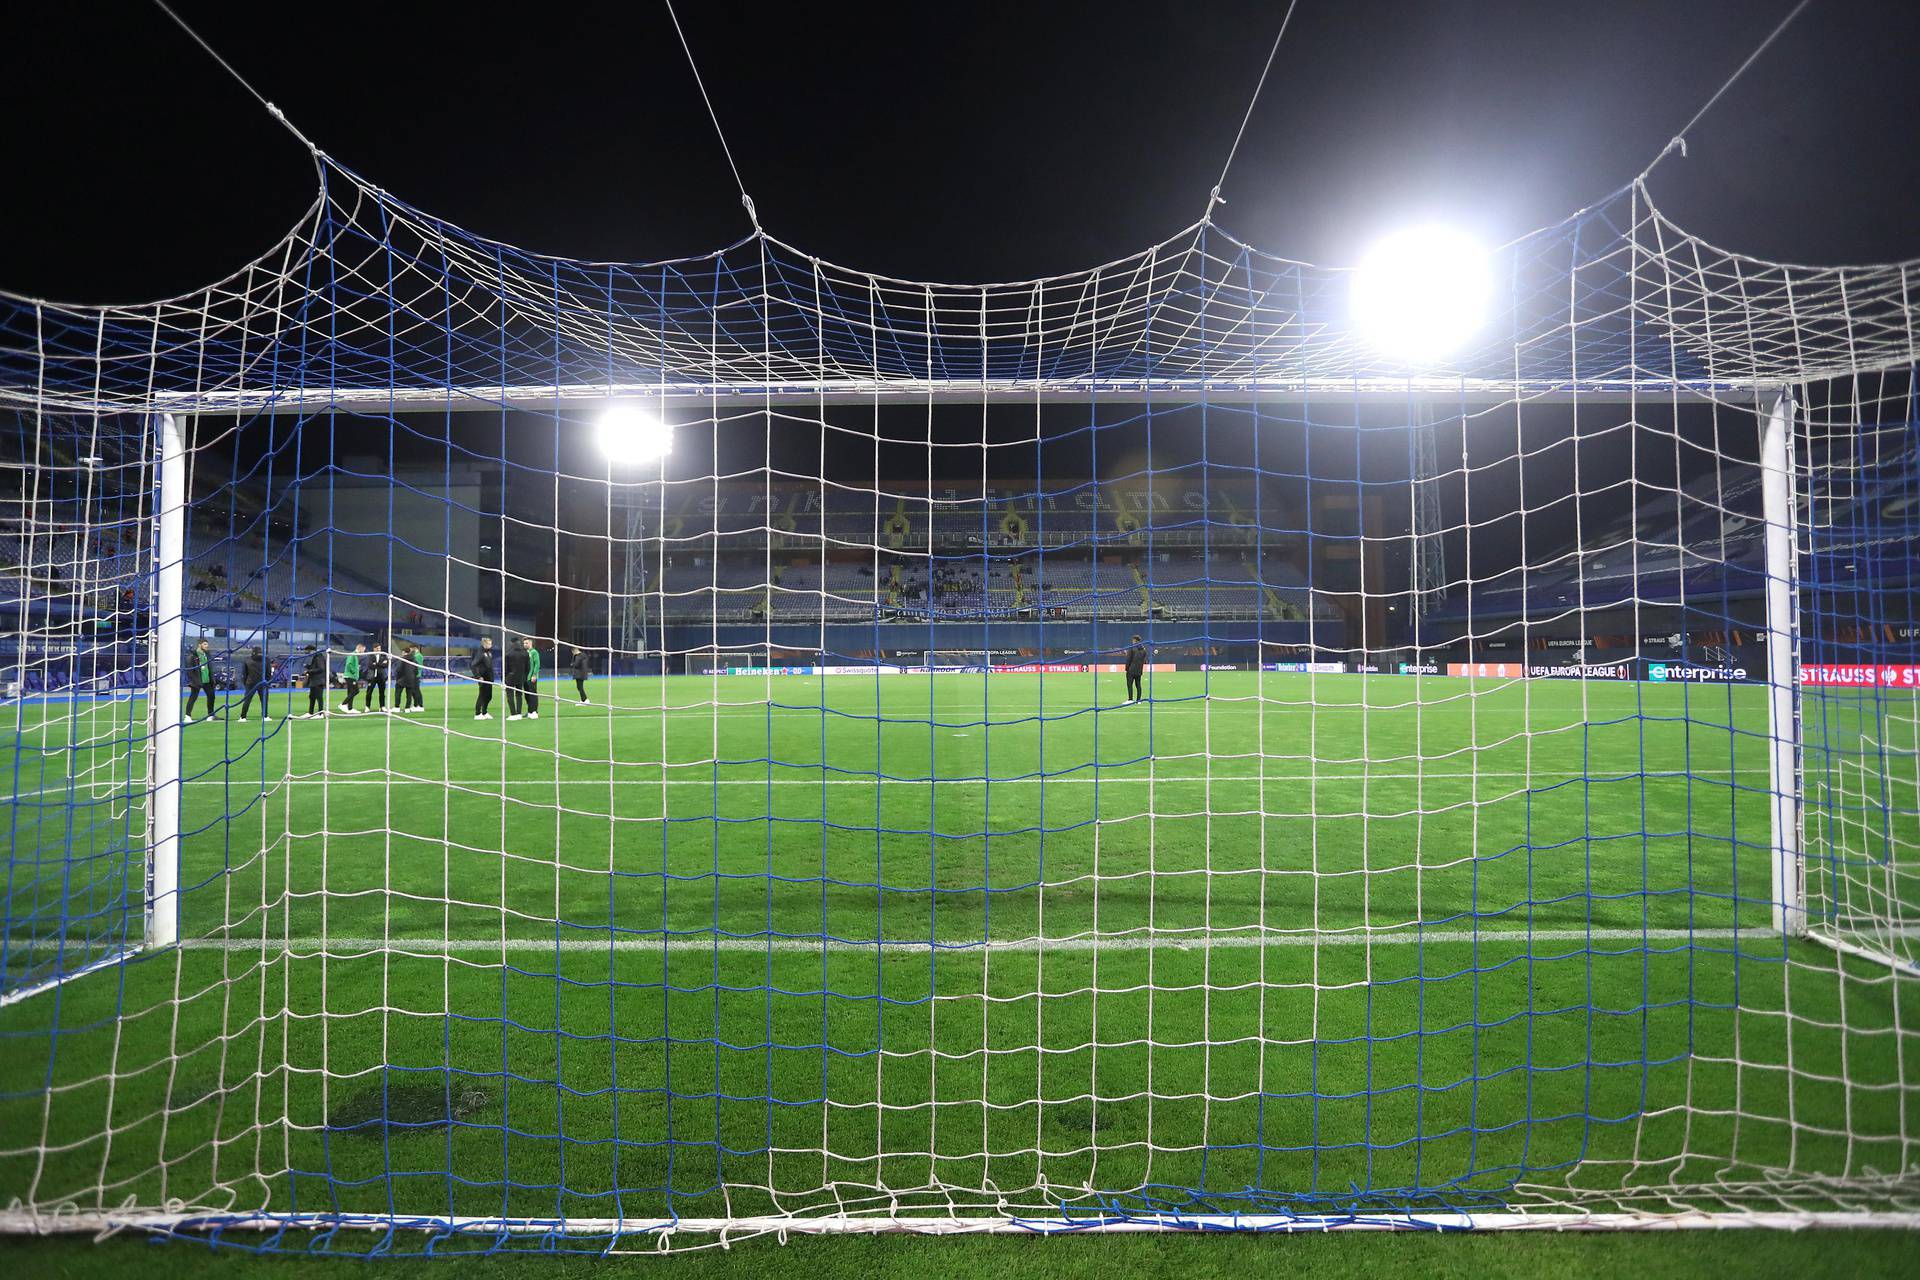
1779,509
167,652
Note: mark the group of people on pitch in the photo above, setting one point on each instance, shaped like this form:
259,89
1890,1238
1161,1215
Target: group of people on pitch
521,676
255,680
371,672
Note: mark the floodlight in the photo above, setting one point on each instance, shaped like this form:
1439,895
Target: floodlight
632,435
1421,293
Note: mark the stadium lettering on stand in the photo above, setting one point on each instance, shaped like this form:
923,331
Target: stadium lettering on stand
1583,671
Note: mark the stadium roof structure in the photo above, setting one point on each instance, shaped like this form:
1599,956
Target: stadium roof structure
369,304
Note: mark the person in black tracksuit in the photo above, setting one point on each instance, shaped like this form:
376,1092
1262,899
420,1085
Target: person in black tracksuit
580,672
200,679
406,678
1136,670
482,670
516,677
253,678
315,678
378,667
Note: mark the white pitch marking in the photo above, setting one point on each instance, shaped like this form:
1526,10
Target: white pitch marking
1053,780
1758,933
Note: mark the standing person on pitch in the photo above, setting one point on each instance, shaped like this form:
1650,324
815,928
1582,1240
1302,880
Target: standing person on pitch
1136,670
253,678
482,670
397,672
516,677
200,678
406,681
580,673
315,678
377,669
419,670
533,680
350,673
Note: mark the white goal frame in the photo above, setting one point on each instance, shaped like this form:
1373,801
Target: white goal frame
940,659
698,662
164,657
1787,837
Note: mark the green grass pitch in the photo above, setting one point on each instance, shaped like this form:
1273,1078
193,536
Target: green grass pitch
1269,943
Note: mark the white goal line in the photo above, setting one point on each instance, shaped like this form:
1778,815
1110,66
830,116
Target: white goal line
1078,777
314,945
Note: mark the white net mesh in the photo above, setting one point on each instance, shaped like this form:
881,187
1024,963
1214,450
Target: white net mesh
1115,749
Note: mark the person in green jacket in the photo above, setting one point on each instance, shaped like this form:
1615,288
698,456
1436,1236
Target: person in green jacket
533,680
351,675
200,679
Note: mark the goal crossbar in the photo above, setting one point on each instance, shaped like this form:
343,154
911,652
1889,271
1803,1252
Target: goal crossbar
1286,391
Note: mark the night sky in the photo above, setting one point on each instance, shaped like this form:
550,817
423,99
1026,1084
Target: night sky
951,141
965,142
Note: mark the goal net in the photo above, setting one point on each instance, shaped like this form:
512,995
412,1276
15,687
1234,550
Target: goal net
1859,562
76,552
732,663
1518,827
937,660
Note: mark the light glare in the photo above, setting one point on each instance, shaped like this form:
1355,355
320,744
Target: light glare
630,435
1421,293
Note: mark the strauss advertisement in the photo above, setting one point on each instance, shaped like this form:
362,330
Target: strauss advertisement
1898,675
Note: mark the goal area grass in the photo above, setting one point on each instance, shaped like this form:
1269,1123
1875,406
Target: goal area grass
750,947
1860,1254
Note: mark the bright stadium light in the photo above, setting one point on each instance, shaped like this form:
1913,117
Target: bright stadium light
1420,294
631,435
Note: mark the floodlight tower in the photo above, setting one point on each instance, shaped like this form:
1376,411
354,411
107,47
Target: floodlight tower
633,439
1417,298
1429,559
